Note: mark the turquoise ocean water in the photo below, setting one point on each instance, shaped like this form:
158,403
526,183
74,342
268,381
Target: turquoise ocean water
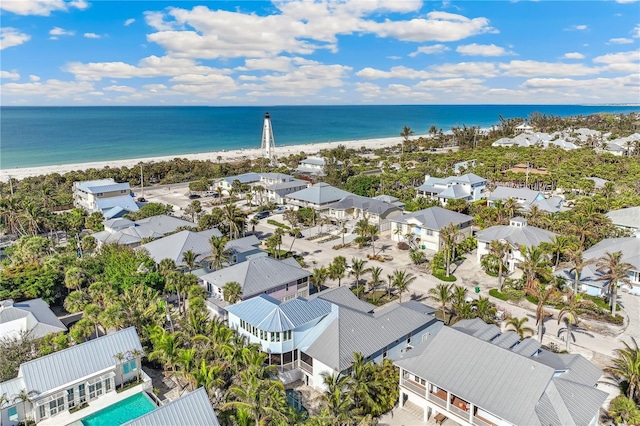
42,136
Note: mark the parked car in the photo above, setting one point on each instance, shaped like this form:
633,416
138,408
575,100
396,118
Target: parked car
261,215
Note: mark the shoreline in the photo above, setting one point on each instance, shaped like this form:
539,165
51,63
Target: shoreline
226,156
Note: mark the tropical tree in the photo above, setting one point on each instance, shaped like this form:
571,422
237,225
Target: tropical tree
262,398
624,411
558,245
542,294
406,133
376,273
337,271
448,238
615,272
401,281
319,277
576,264
534,266
190,260
625,369
442,294
234,219
358,269
335,397
417,256
232,292
219,251
518,325
571,311
166,348
499,249
484,309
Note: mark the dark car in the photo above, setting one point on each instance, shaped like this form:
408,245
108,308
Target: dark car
261,215
193,196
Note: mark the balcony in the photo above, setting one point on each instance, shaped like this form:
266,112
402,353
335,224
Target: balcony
440,398
306,367
479,421
414,387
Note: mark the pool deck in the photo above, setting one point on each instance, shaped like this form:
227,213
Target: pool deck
113,397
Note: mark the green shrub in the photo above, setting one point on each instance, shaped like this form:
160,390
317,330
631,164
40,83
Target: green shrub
278,224
532,299
442,275
495,293
513,294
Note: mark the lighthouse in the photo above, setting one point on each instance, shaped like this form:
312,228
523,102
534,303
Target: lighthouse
268,144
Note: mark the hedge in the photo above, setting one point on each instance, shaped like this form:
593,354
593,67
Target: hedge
495,293
278,224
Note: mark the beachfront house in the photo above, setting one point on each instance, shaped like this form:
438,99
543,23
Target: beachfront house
589,278
468,187
32,318
526,199
473,374
306,338
423,228
318,196
280,279
516,234
130,233
106,196
314,166
84,374
355,207
277,192
226,183
192,409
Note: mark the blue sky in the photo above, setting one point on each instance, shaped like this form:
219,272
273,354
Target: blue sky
82,52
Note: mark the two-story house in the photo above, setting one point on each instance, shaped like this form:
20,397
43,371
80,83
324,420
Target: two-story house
475,375
318,196
314,166
468,187
526,198
130,233
355,207
425,226
106,196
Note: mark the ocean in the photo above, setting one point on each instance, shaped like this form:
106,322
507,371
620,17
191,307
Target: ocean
44,136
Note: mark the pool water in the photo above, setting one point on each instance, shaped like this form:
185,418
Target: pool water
122,412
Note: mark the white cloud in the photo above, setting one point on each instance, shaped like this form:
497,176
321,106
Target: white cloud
636,31
626,1
34,78
369,73
51,89
573,55
622,62
475,49
56,32
429,50
129,22
92,35
459,85
535,68
485,69
9,75
10,37
41,7
624,89
121,89
621,40
580,27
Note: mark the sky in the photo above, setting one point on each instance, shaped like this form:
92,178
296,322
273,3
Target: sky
306,52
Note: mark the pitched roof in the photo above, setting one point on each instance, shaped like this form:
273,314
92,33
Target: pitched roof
33,316
174,246
59,368
349,331
629,217
243,178
124,202
193,409
270,314
367,204
257,275
434,218
630,248
469,178
516,235
294,183
320,193
344,297
102,185
511,384
129,232
244,244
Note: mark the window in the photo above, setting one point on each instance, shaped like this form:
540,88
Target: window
125,369
107,385
286,287
133,365
56,405
409,339
70,399
13,414
81,393
384,352
43,411
429,232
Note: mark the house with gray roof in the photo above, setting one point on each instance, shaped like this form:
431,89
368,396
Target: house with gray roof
517,233
468,187
33,318
193,409
627,219
424,227
589,278
355,207
226,183
106,196
306,337
390,199
314,166
174,246
85,373
244,248
317,196
280,279
129,233
277,191
475,375
526,198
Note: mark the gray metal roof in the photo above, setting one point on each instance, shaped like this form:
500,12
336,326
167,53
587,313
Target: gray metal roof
629,217
257,275
174,246
366,204
469,178
129,232
522,235
68,365
33,316
434,218
125,202
353,331
193,409
269,314
102,185
320,193
243,245
295,183
11,388
386,198
315,161
243,178
344,297
630,248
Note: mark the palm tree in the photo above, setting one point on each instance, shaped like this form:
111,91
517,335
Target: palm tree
319,277
165,266
442,294
534,266
295,232
626,369
120,357
337,271
376,273
234,219
615,272
576,264
358,269
335,397
76,301
406,133
219,251
232,292
401,281
558,245
372,232
189,259
137,354
263,399
571,310
485,309
499,249
448,238
542,294
517,325
210,377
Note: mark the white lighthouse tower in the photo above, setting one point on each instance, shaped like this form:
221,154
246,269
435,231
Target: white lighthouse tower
268,143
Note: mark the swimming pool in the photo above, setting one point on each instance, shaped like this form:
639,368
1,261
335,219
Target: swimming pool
122,412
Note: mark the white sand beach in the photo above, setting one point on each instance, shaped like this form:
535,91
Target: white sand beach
226,156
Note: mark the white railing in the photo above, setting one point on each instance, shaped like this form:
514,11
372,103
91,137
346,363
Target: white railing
462,413
478,421
306,367
414,387
434,398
